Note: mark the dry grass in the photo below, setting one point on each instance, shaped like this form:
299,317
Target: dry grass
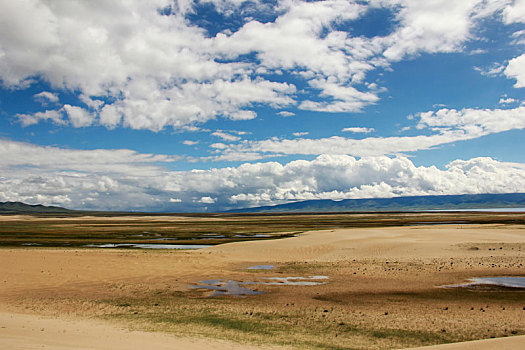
77,231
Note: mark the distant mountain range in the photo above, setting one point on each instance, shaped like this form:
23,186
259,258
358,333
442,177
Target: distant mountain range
413,203
21,208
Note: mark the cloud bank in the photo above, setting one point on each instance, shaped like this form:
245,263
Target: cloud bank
442,126
127,180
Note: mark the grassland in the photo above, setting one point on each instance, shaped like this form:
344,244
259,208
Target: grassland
75,230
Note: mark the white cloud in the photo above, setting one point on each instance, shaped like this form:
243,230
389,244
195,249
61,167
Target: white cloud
78,116
359,130
519,37
45,96
294,39
514,13
134,66
124,180
516,70
225,136
207,200
448,125
507,100
493,71
286,114
430,26
475,122
159,70
52,115
53,159
190,142
299,134
371,146
344,98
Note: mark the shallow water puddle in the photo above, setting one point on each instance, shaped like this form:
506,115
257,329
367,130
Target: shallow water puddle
257,235
508,282
235,288
295,281
149,246
221,287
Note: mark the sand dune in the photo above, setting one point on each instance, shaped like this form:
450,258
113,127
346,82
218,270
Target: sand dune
388,242
512,343
28,332
25,332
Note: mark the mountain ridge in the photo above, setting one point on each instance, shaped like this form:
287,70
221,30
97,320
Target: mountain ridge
22,208
406,203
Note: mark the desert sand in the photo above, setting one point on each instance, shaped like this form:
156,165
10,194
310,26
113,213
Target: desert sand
378,278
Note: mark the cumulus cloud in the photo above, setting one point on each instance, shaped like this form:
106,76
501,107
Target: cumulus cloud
436,26
515,12
127,180
341,98
301,133
225,136
190,142
475,122
516,70
78,116
507,100
207,200
147,65
149,69
359,130
45,96
52,115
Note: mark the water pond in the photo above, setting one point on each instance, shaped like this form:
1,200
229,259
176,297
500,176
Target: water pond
238,289
149,246
506,282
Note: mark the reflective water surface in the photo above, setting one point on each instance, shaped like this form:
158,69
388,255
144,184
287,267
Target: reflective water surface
149,246
236,288
508,282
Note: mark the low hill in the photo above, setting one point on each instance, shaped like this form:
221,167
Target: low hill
413,203
22,208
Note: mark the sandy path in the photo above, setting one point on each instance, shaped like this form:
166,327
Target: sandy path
25,332
512,343
28,332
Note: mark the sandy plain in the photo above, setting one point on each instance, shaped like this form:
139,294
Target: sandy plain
381,293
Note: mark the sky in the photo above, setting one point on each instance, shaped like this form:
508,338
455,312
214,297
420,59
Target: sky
211,105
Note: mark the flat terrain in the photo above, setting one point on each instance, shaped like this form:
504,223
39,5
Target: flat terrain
381,291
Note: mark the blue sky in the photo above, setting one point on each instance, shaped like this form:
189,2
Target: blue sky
172,105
